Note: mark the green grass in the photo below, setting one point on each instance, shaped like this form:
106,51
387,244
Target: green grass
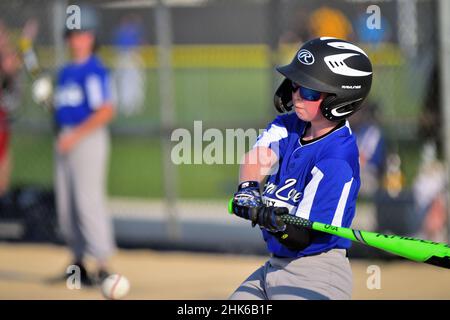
32,158
224,98
135,169
218,96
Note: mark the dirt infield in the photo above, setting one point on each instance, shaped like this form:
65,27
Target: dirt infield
26,271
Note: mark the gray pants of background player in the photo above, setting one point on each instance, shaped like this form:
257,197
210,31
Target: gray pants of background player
80,178
321,277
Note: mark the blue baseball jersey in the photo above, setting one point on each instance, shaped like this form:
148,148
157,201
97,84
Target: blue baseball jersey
316,180
80,90
371,144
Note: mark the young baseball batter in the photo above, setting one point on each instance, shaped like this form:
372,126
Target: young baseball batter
316,174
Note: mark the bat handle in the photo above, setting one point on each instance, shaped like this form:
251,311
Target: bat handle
230,206
298,221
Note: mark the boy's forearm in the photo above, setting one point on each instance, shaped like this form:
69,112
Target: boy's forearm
256,164
250,173
98,119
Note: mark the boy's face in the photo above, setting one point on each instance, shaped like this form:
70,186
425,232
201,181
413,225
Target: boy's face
81,43
308,111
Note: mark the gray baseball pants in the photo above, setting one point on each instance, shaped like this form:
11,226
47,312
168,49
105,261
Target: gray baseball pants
320,277
80,183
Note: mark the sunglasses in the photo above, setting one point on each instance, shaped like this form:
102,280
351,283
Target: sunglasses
306,93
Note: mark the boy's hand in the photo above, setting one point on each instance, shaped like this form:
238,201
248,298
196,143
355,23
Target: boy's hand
247,203
247,200
269,218
67,141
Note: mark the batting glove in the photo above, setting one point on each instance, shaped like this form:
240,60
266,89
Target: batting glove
269,218
247,200
247,204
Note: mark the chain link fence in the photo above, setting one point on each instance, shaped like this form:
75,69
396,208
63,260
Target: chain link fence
174,63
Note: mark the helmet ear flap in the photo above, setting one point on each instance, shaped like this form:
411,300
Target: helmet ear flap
337,111
326,106
282,98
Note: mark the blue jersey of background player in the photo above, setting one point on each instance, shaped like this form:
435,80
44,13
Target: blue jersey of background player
81,90
311,159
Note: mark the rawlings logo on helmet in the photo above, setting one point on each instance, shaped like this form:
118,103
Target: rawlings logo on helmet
305,57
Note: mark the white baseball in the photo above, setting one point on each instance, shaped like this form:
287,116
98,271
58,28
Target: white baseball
115,287
42,89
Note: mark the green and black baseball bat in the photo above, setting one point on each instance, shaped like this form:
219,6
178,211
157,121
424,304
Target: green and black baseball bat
430,252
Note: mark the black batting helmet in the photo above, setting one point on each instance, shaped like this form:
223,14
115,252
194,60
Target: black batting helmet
83,18
88,21
332,66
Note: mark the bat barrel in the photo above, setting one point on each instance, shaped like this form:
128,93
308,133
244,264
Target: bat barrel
419,250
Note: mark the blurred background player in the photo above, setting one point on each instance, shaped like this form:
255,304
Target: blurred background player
128,75
9,98
372,148
82,112
331,22
429,191
430,184
317,176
